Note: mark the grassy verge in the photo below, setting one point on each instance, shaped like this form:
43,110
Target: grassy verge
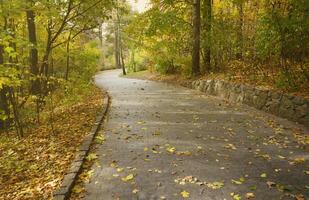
33,167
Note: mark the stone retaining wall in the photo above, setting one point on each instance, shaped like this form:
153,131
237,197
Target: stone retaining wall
286,106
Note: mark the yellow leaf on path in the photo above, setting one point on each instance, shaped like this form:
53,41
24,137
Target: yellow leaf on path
185,194
281,157
249,195
263,175
120,169
230,146
78,189
236,196
135,191
91,156
114,163
171,149
128,178
215,185
239,181
298,160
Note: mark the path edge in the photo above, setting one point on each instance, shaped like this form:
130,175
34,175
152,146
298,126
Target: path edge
64,192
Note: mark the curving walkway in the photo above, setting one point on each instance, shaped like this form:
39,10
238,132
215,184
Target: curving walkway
169,142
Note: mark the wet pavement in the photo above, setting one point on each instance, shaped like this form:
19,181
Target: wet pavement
170,142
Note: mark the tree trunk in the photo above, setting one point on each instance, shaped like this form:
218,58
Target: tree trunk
117,64
196,38
120,49
240,31
122,61
101,34
207,24
133,60
33,56
68,57
48,49
4,106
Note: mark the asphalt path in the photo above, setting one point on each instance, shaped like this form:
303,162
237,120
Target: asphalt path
170,142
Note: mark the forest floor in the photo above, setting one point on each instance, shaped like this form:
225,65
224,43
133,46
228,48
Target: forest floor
33,167
163,141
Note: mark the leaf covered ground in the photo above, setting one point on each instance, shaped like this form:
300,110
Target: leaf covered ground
33,167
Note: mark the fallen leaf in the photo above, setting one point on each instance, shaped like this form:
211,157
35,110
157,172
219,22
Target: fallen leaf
239,182
128,178
297,161
114,163
263,175
100,139
171,149
185,194
77,189
120,169
270,184
91,156
215,185
249,195
235,196
135,191
230,146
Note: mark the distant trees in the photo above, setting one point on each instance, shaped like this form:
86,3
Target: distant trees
257,40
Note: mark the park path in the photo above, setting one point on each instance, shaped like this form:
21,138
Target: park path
170,142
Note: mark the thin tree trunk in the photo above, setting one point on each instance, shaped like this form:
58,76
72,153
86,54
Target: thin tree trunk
117,65
101,34
48,49
18,124
4,106
196,38
122,62
240,31
133,60
68,57
120,49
